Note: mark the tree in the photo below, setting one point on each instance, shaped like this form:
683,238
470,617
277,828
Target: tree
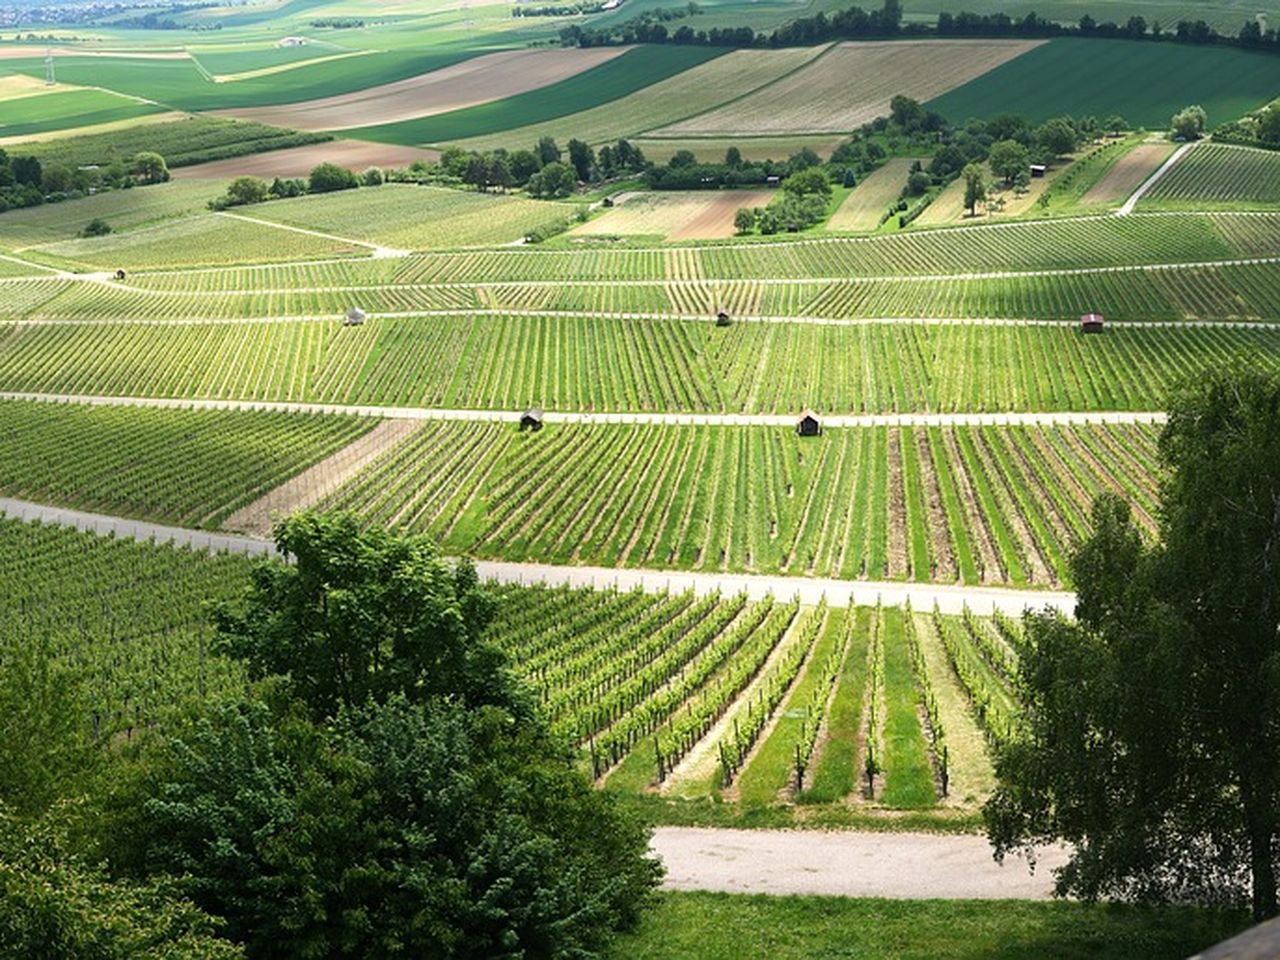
547,151
733,158
328,177
744,221
1057,137
374,177
553,181
582,158
477,172
246,190
498,171
1189,122
150,167
1269,126
97,227
918,182
810,180
360,616
45,751
975,187
423,810
906,112
524,164
1115,125
1151,737
682,158
55,178
1008,158
56,907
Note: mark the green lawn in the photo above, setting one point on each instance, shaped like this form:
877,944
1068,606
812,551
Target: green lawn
1143,81
610,81
713,926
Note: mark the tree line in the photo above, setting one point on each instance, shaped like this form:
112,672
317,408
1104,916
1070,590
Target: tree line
855,23
26,182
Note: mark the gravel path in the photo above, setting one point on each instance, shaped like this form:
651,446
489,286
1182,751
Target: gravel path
839,593
896,865
552,416
1152,180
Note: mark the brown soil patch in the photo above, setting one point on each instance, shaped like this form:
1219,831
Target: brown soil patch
1128,173
314,484
479,80
716,218
898,562
299,161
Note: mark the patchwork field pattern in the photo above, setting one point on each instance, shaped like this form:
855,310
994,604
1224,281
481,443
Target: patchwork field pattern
851,84
675,215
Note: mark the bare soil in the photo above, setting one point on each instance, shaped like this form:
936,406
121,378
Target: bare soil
299,161
1128,173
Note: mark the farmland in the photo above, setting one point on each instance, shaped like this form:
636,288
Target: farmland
42,113
1214,175
863,210
675,216
1144,82
816,99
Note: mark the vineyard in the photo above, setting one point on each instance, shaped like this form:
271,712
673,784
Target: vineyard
592,364
951,504
1213,175
192,467
690,696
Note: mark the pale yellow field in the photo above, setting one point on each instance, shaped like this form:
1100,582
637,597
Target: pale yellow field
149,118
677,215
479,80
19,85
865,205
852,84
693,91
712,150
1128,173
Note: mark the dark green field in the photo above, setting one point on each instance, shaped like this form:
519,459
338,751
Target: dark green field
710,926
612,80
1143,81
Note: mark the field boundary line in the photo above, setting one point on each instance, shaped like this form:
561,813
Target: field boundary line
379,252
61,274
1151,181
950,598
1010,418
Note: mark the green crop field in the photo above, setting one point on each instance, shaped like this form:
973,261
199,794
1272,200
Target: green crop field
613,80
186,466
183,142
1217,175
47,112
1142,81
417,217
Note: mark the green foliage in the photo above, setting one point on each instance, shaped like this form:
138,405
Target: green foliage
45,751
975,187
1008,158
365,615
1189,123
554,181
150,167
1150,738
810,181
97,227
246,190
329,177
55,906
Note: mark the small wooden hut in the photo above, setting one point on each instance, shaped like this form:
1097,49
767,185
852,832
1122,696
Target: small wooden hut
809,425
1092,323
531,419
723,319
355,317
120,274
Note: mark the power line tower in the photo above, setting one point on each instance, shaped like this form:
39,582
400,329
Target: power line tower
48,67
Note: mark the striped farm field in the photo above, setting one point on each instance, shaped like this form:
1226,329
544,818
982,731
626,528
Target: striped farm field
612,671
192,467
1024,246
588,364
1212,175
851,84
961,504
864,209
724,697
417,218
675,215
193,241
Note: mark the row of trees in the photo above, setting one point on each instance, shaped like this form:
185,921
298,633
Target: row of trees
855,22
26,182
383,788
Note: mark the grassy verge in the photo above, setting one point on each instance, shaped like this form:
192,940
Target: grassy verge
716,926
908,775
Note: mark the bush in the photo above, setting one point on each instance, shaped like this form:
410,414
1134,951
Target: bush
374,177
97,227
328,177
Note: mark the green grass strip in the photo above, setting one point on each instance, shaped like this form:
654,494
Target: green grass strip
908,782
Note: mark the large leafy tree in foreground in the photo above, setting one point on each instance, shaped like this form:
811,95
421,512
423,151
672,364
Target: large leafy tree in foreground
1151,738
390,795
